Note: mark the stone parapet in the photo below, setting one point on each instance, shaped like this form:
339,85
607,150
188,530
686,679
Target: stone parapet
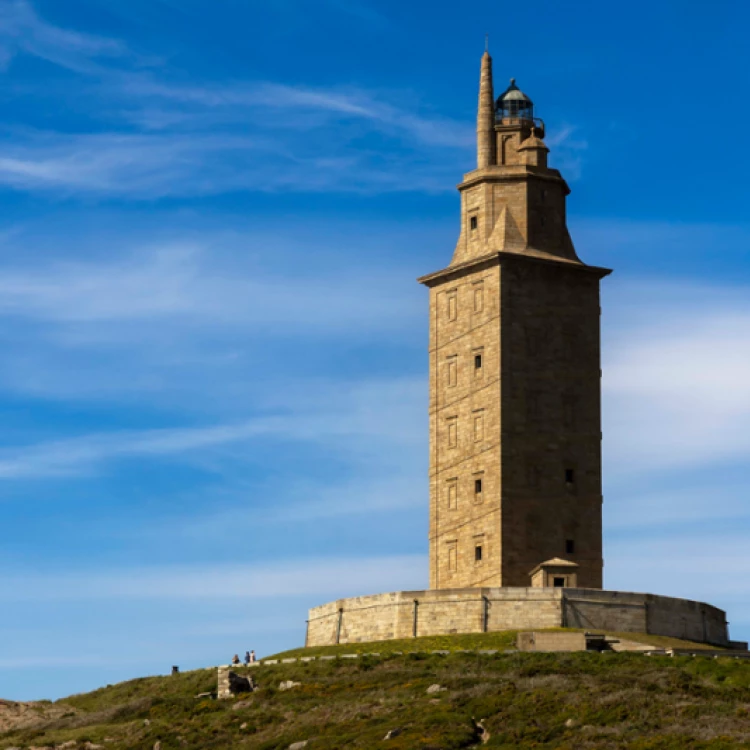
408,614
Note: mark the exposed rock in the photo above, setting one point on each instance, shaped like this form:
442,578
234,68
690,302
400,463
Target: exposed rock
298,745
570,723
15,715
205,695
393,733
243,725
69,743
92,746
288,685
435,689
157,745
241,704
482,730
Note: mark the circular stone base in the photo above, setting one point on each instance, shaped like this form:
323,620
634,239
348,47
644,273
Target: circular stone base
406,614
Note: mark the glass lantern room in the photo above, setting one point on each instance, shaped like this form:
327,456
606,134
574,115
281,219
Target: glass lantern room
513,104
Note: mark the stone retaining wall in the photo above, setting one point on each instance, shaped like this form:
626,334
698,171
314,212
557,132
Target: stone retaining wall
406,614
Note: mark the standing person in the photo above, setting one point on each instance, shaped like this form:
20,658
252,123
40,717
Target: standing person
235,659
252,657
247,657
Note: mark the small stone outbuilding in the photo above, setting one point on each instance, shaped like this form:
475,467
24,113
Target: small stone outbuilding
557,573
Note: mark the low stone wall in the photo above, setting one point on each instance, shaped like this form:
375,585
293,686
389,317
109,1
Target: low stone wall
406,614
553,642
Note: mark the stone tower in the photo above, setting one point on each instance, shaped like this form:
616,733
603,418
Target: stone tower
515,425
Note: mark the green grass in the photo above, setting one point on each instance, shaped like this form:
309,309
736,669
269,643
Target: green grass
473,641
567,701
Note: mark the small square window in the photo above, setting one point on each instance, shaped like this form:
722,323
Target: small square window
477,361
473,223
558,582
477,486
570,476
570,546
478,553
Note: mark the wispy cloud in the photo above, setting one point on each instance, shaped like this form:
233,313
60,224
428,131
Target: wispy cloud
675,378
568,147
153,318
325,577
150,137
181,280
145,166
359,418
23,30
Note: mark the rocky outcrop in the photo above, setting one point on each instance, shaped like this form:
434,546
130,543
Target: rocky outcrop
15,715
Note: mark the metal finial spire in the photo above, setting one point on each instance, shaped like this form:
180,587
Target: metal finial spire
486,42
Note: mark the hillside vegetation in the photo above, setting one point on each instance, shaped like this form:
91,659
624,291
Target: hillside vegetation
497,700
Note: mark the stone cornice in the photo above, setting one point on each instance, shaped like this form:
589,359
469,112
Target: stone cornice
497,257
514,173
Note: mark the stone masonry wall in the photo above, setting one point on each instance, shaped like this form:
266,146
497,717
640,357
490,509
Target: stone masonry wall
465,432
515,427
606,610
404,614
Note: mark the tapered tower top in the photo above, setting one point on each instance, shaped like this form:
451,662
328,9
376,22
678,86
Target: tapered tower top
513,202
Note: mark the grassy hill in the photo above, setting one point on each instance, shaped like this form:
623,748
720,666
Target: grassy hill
500,700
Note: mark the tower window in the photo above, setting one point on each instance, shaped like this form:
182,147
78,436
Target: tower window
452,305
473,223
452,559
479,425
452,495
478,297
477,361
570,546
452,433
478,553
558,582
452,372
570,476
477,486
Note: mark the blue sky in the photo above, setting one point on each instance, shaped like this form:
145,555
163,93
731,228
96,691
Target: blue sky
213,381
